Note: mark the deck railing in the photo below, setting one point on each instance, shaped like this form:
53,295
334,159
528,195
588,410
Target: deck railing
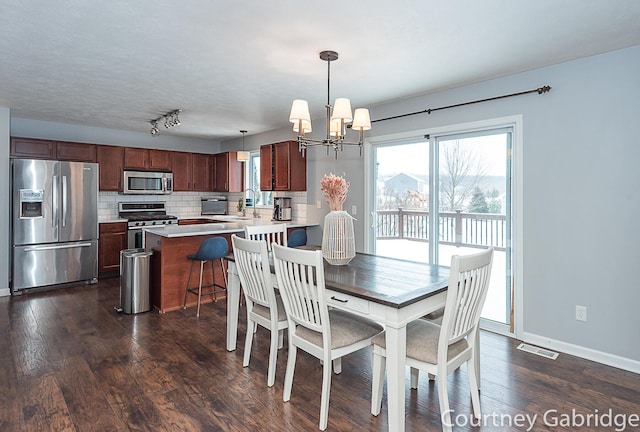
457,228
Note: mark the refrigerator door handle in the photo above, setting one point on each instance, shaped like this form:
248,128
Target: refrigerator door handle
64,201
54,204
53,247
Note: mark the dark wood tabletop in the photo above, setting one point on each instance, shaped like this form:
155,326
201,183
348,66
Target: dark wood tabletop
389,281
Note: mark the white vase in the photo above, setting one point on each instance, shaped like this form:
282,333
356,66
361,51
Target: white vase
338,241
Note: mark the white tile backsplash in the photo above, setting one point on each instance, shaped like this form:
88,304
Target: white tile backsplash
187,204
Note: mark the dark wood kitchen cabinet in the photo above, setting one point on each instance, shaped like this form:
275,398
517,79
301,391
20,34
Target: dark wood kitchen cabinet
191,171
201,172
181,168
32,148
228,173
110,160
283,167
77,152
147,159
113,239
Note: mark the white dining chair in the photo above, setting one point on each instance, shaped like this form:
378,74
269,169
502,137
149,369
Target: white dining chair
439,350
274,233
326,334
264,306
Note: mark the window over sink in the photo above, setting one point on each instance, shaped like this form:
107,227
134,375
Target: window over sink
252,180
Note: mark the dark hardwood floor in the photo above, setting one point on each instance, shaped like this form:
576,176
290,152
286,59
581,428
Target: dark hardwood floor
69,361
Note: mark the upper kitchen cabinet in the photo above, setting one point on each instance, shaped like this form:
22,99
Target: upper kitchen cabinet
191,171
110,160
201,171
77,152
228,173
52,150
181,167
147,159
33,148
283,167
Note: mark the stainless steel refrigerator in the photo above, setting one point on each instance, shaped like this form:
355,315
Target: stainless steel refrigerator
54,223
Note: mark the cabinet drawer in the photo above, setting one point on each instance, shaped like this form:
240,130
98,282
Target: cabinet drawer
347,302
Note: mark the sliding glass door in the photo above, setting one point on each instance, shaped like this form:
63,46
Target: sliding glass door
436,196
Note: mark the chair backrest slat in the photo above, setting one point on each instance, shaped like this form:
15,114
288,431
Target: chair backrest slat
252,262
275,233
300,276
468,286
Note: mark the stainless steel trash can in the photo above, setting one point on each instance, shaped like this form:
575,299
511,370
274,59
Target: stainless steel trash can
134,280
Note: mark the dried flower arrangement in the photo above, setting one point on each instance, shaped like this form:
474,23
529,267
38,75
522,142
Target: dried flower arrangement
335,190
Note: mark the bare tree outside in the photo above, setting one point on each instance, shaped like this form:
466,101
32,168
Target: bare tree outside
461,168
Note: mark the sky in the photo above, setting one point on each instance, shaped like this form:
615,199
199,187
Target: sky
414,158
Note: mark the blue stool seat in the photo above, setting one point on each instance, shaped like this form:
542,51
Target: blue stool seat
210,250
297,238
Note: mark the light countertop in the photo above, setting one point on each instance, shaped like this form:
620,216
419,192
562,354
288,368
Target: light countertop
220,227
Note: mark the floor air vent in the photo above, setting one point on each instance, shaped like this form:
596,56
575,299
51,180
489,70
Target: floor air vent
538,351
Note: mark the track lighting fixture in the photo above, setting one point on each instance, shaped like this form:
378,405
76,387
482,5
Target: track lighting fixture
171,119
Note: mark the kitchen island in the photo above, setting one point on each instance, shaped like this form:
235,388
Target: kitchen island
169,263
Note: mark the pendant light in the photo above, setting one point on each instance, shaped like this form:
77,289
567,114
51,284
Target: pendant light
243,156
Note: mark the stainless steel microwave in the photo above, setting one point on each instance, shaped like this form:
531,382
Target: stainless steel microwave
147,183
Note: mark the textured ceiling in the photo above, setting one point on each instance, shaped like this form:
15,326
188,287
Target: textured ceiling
232,65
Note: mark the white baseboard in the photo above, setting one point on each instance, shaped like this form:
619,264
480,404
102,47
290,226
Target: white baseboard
5,292
583,352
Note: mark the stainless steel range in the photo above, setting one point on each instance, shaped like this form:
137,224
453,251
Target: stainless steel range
143,214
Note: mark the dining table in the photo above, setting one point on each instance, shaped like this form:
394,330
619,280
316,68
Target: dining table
391,291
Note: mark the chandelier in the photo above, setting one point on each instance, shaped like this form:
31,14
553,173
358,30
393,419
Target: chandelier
337,121
171,119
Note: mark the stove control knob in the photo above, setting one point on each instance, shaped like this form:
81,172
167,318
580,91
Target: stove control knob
153,223
137,223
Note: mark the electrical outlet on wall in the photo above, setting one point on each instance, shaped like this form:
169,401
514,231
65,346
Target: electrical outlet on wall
581,313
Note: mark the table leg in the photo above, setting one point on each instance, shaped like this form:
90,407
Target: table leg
396,341
233,306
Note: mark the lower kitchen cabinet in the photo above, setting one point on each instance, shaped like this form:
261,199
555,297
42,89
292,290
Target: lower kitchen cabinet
113,239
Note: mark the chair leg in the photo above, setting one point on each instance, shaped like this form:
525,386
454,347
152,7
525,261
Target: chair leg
326,391
273,355
337,366
415,374
224,273
186,292
200,288
281,339
288,376
377,381
443,398
248,341
476,352
214,297
473,386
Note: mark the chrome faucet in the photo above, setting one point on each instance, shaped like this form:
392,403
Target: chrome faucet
255,210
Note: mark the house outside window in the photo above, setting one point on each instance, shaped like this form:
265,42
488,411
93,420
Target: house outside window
252,180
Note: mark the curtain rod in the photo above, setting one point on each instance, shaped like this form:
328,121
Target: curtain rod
539,90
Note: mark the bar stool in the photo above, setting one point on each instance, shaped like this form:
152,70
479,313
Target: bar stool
210,250
297,238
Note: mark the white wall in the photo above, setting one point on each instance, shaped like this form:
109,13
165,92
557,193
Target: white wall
581,150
